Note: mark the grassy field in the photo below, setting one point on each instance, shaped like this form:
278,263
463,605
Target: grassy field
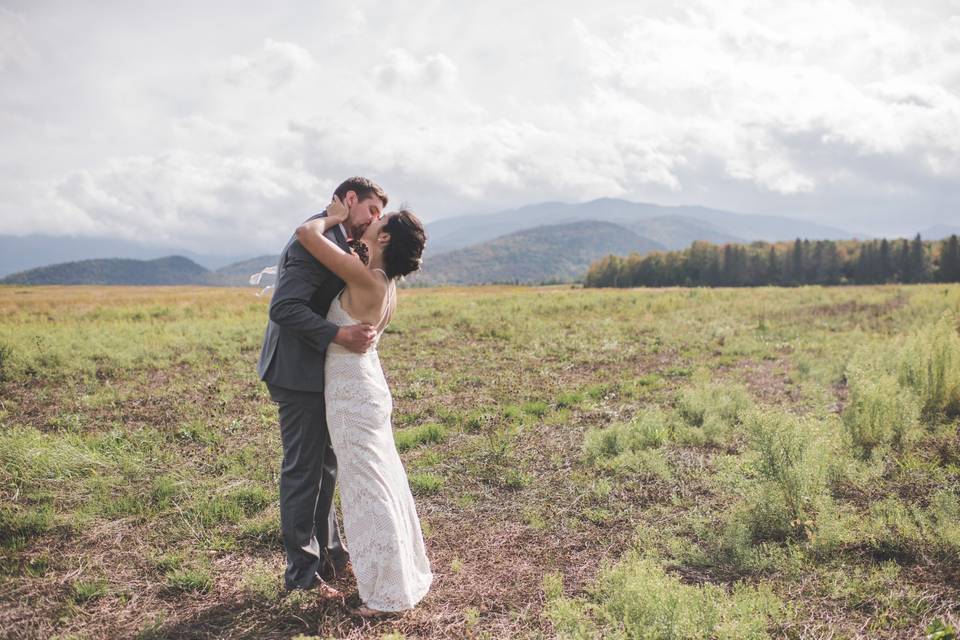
673,463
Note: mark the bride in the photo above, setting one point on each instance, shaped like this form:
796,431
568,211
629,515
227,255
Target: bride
379,516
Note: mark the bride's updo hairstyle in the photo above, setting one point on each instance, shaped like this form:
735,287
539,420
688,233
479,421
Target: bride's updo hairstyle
407,238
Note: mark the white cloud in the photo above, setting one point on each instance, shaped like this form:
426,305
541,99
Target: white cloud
739,83
401,69
783,107
202,202
274,65
15,50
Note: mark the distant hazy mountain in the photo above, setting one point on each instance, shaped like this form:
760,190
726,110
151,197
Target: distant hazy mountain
18,253
679,232
453,233
939,232
169,270
238,274
552,253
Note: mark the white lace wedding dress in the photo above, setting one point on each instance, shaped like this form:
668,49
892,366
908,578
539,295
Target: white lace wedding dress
379,517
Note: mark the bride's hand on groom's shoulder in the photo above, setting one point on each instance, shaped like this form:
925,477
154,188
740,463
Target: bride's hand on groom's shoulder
337,211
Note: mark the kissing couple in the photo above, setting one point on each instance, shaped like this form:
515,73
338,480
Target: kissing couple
335,294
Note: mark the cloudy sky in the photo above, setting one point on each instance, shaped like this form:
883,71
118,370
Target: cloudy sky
203,124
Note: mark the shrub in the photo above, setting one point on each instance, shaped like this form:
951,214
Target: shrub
929,363
792,468
569,617
879,412
6,353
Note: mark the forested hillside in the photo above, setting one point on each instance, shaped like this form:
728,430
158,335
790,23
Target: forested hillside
555,253
824,262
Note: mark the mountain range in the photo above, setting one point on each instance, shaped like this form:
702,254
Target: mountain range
171,270
550,241
19,253
674,227
550,253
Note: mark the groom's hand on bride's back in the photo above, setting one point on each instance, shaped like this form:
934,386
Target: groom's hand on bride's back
355,337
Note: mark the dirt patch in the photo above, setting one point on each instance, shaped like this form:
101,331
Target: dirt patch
770,381
857,308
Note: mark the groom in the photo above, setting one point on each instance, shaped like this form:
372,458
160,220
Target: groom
291,363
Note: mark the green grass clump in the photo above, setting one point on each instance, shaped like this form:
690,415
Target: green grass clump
515,478
632,447
429,433
569,399
425,483
262,580
21,523
262,530
646,430
198,431
168,562
536,408
601,391
86,591
900,530
938,630
195,580
710,412
879,412
29,457
231,507
638,599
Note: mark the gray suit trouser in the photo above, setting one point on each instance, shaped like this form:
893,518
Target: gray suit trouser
308,519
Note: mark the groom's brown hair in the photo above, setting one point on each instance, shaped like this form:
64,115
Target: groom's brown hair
363,187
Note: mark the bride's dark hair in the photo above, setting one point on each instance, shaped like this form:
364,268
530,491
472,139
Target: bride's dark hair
407,239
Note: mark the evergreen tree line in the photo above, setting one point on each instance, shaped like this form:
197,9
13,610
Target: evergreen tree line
801,262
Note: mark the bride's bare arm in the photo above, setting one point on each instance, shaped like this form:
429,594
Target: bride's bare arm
345,265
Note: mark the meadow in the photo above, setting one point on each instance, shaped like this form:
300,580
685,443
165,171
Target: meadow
646,463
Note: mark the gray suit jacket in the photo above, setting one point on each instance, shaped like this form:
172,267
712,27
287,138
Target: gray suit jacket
297,335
